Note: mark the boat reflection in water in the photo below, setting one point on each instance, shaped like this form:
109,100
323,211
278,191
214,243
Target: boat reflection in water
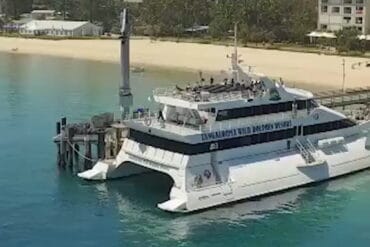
314,206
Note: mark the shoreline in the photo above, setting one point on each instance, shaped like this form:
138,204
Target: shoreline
309,69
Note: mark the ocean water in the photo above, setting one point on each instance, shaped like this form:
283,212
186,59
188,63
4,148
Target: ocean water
41,205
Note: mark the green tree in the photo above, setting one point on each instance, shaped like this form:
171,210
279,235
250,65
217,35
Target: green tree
347,40
13,8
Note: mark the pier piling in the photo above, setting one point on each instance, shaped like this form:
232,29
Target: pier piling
76,153
88,160
58,129
63,146
70,134
101,145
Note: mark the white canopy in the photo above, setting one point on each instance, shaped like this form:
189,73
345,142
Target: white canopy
364,37
316,34
49,25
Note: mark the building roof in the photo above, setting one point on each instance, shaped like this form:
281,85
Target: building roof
49,24
316,34
44,11
197,28
363,37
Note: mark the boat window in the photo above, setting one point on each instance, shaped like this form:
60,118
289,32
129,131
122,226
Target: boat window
210,110
266,109
191,149
259,110
301,104
184,116
222,113
263,137
274,108
329,126
313,103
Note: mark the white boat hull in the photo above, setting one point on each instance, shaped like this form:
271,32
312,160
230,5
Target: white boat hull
240,177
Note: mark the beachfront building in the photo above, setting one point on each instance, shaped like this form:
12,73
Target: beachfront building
60,28
43,14
335,15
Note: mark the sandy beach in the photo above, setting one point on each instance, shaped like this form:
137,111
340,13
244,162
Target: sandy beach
301,68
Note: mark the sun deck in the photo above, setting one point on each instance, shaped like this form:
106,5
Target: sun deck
214,93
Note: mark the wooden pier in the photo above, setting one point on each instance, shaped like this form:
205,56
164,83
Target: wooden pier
81,145
339,98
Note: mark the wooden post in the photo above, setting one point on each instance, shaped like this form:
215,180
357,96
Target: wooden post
63,147
58,128
76,153
101,145
70,134
88,163
64,121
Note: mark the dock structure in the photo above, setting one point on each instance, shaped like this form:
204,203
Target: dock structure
340,98
81,145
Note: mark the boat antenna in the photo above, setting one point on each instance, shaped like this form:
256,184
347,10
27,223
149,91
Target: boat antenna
125,96
234,56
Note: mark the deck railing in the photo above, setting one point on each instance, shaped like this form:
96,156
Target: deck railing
199,96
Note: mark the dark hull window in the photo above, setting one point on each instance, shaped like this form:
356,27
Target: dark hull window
329,126
192,149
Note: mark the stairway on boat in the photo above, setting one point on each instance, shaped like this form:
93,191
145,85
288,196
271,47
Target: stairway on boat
309,153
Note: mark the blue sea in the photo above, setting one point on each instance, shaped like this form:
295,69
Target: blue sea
42,205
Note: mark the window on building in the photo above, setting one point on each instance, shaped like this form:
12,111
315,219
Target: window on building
359,29
335,10
359,1
324,27
347,10
347,19
359,10
324,1
359,20
324,9
347,1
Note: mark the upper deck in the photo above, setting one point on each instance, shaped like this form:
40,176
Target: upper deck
227,96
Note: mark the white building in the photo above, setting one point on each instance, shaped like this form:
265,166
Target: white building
60,28
43,14
337,14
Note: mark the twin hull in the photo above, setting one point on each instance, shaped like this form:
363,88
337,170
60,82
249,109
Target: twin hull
207,180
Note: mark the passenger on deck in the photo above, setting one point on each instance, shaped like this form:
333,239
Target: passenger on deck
160,116
211,80
225,81
202,80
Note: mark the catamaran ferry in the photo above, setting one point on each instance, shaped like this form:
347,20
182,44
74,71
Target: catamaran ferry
239,139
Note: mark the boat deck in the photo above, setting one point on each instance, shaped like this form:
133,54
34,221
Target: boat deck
168,127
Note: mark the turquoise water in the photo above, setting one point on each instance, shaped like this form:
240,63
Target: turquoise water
41,205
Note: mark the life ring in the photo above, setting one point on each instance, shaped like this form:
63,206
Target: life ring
147,121
207,174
